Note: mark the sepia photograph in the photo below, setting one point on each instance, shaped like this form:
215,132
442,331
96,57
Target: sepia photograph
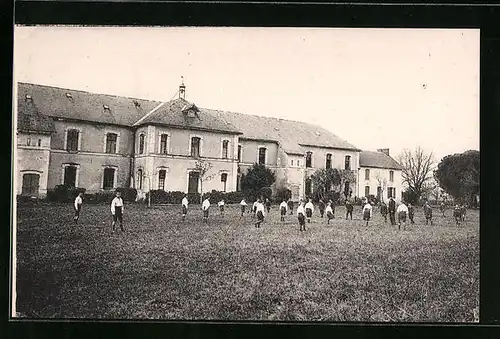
246,174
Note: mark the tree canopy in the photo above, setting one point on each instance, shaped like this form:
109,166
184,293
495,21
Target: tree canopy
417,171
324,180
257,177
458,175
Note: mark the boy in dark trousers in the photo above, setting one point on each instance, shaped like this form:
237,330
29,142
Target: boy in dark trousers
349,208
290,206
392,211
383,210
78,206
330,211
268,205
321,207
428,213
117,211
411,213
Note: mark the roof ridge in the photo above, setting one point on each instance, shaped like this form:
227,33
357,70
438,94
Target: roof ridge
87,92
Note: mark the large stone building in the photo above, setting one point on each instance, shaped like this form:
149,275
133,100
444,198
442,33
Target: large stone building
101,142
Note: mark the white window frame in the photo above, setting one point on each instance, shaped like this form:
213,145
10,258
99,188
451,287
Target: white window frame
258,152
312,159
366,195
331,159
367,171
350,161
158,169
222,148
159,143
106,132
240,146
187,177
191,136
79,147
137,178
63,168
391,177
115,175
139,143
227,179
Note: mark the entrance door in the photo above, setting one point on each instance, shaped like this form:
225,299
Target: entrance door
30,184
194,178
70,175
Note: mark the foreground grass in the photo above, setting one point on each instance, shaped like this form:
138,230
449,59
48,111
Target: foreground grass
162,268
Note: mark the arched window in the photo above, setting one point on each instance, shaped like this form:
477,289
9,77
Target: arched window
309,159
223,179
141,143
139,178
367,174
347,162
262,155
225,148
328,161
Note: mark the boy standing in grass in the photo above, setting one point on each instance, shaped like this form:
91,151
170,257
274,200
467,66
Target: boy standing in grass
260,213
301,216
268,205
442,208
383,210
184,204
205,207
283,209
78,206
254,208
349,208
457,214
290,206
309,210
367,212
392,210
243,205
321,206
117,211
411,213
330,211
402,212
428,213
221,206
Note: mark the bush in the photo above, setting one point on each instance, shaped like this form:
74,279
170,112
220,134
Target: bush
64,193
234,197
26,200
266,192
128,194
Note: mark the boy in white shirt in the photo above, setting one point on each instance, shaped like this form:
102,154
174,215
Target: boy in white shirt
309,210
260,213
301,216
367,212
78,206
117,211
221,206
402,211
330,212
243,205
185,204
254,207
283,209
205,206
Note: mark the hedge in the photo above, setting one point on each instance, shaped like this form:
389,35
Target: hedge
175,197
64,193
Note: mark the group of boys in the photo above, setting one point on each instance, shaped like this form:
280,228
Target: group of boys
304,210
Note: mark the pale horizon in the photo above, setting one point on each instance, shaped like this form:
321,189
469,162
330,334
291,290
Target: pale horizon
353,82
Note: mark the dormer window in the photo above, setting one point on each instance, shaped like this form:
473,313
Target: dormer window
69,96
106,107
137,104
28,97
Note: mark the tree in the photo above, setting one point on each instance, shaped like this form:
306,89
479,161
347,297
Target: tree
257,177
382,183
347,176
458,175
324,180
203,167
417,170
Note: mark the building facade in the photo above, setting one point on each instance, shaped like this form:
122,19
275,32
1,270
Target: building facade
102,142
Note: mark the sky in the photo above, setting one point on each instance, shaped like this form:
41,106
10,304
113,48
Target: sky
375,88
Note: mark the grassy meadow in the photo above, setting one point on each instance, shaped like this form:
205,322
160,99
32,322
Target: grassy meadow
163,268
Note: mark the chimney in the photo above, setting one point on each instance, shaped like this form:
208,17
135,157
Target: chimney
182,89
384,150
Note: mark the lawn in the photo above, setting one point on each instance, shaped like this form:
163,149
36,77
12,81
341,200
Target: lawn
163,268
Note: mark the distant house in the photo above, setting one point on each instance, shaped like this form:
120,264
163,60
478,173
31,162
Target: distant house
379,175
101,142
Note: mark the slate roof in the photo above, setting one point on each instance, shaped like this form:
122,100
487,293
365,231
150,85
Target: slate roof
29,119
174,113
53,101
293,136
378,160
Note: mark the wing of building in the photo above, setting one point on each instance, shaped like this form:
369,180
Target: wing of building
101,142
